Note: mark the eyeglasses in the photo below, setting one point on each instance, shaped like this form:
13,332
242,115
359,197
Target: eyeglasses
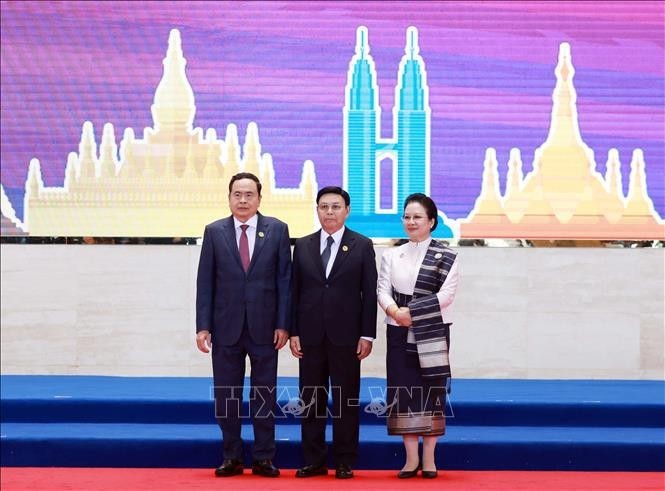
334,207
415,218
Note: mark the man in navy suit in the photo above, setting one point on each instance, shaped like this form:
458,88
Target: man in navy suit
334,325
243,308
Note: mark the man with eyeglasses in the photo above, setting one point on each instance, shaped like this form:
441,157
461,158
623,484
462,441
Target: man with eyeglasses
243,308
334,325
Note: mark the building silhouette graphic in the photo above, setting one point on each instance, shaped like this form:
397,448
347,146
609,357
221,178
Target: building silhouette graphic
564,197
408,153
170,183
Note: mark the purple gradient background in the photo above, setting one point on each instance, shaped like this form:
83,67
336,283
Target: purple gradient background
284,65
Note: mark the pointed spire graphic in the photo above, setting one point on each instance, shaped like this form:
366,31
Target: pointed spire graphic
34,183
173,106
515,174
88,153
232,150
564,181
362,42
267,174
489,201
128,167
613,174
107,152
71,170
410,92
308,181
412,48
564,128
490,186
361,88
251,149
638,201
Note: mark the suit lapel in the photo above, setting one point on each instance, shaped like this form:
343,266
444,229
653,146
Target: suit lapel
315,252
262,234
228,230
345,247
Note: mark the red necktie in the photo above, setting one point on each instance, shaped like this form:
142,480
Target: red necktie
244,247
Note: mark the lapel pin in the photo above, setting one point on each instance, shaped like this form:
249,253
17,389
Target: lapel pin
438,255
261,234
345,248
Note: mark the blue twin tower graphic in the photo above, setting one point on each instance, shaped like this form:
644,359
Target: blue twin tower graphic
403,159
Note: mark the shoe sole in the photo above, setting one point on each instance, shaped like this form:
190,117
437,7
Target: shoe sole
259,473
229,475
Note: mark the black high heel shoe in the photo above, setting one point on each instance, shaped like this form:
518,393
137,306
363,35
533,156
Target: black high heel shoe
408,474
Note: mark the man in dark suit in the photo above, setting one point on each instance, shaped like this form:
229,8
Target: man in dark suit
334,300
243,307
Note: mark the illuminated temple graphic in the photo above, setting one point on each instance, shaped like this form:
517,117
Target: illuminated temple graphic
408,153
564,196
169,184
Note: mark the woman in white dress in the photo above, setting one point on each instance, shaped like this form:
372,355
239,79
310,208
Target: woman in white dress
416,286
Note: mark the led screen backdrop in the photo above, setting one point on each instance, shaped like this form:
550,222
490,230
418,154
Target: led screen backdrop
521,119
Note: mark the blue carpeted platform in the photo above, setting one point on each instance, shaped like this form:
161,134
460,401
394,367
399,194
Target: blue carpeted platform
492,424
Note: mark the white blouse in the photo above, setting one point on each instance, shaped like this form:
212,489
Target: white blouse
399,270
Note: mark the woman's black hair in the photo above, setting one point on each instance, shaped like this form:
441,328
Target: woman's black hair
427,203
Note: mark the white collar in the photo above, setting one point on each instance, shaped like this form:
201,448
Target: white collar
418,245
252,222
337,236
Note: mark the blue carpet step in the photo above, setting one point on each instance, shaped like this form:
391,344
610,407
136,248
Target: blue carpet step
492,424
182,400
463,447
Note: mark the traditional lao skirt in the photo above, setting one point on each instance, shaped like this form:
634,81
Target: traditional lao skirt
417,404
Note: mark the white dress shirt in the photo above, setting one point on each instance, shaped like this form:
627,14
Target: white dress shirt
251,232
399,270
337,237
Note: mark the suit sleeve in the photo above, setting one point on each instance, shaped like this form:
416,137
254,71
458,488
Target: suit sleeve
284,281
369,291
205,284
295,331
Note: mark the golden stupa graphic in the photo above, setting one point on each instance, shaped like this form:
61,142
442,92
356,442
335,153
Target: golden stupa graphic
564,196
169,184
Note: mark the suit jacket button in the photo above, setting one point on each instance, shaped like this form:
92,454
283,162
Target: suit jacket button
327,285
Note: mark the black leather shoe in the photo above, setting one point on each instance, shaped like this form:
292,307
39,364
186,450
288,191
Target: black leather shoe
343,471
409,474
230,467
264,468
312,470
430,474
